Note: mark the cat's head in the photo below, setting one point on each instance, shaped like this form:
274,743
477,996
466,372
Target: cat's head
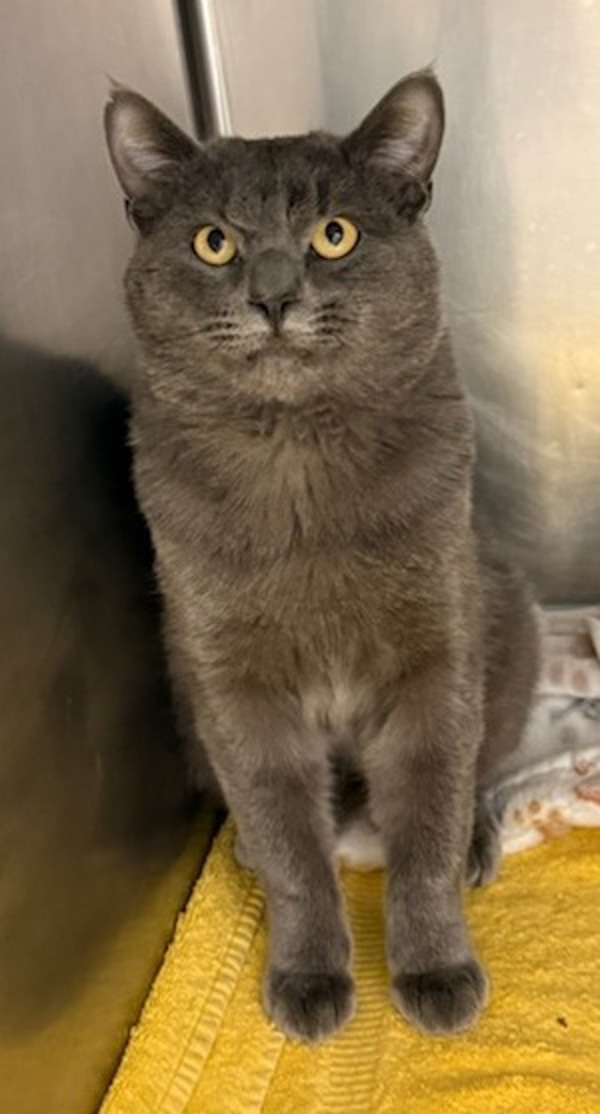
281,267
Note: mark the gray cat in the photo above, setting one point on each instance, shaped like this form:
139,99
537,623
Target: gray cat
343,640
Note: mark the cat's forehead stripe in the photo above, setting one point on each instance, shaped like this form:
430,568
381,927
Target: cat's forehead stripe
278,162
272,181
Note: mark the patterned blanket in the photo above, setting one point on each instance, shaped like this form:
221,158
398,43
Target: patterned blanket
552,782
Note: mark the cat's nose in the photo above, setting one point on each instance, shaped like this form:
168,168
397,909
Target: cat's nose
274,309
274,285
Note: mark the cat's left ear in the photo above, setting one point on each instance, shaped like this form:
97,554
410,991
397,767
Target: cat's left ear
403,133
146,148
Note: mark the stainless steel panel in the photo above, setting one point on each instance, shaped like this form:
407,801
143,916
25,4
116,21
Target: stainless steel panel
93,794
515,216
62,236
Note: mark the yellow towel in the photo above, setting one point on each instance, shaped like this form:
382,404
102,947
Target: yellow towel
203,1045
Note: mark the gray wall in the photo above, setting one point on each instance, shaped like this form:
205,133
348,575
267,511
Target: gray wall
516,218
63,237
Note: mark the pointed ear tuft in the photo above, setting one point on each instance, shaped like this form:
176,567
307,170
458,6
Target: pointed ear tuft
403,133
145,147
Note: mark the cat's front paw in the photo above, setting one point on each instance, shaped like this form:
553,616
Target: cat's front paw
448,1000
309,1006
241,856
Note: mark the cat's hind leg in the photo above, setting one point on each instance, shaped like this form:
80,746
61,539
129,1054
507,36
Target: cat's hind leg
484,855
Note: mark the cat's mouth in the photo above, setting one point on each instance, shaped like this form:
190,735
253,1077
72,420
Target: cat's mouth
280,348
279,343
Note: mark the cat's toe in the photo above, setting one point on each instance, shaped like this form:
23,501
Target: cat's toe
309,1006
241,856
483,859
448,1000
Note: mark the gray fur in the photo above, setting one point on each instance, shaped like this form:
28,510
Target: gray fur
341,635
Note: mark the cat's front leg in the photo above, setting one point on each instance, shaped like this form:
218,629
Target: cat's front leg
421,774
275,782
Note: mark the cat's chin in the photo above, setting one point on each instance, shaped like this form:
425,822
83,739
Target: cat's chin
281,370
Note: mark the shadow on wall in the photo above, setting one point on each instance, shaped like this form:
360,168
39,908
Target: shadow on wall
94,793
474,226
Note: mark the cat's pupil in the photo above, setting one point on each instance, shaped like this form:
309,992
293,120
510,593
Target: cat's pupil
334,232
215,240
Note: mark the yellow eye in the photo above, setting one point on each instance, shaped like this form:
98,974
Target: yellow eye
335,237
214,246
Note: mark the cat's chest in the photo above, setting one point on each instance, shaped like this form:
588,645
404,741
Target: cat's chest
261,497
320,634
342,705
281,590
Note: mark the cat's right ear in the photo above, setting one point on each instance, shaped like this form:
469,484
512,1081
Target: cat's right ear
146,149
402,135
